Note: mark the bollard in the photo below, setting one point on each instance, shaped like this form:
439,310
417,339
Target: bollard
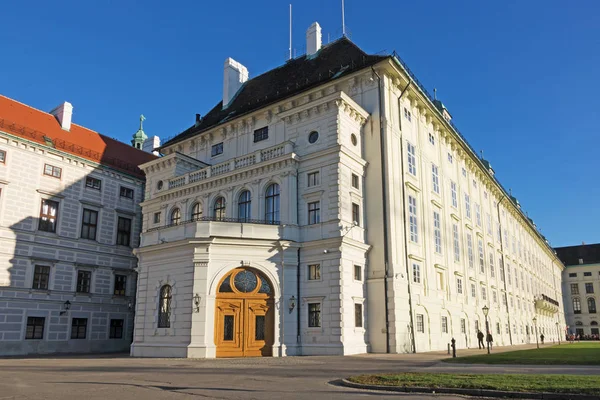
448,348
453,348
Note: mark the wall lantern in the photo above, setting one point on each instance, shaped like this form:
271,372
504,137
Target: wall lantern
197,303
130,305
485,310
66,307
292,303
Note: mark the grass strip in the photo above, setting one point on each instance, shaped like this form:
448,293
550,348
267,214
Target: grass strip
568,384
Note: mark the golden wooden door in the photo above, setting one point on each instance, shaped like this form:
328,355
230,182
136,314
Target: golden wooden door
244,319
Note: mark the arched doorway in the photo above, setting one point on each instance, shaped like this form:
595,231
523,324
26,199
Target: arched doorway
244,315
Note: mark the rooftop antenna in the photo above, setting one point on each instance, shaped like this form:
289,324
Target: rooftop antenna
481,152
290,31
343,20
435,93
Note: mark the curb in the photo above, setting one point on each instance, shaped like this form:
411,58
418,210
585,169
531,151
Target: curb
472,392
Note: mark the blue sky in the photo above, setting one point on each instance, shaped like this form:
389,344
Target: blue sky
519,77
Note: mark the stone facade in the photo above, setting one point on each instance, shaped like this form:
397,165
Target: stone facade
381,286
57,281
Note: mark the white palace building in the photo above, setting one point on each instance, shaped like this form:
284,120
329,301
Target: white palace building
329,206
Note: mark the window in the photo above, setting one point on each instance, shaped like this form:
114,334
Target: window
2,156
591,305
244,206
589,288
456,242
93,183
120,285
314,315
497,328
407,115
164,307
314,212
48,216
467,206
272,204
576,305
355,214
444,324
477,214
483,293
492,269
357,273
495,296
116,329
464,172
52,171
126,192
574,288
489,223
420,323
431,139
89,224
412,161
463,326
504,299
261,134
474,183
35,328
476,326
358,319
84,281
78,328
470,249
481,256
412,211
435,180
573,275
157,217
314,272
587,274
501,264
216,149
313,179
41,277
453,194
416,273
353,139
175,216
450,158
123,231
506,329
473,290
313,137
355,182
219,209
437,232
196,212
459,286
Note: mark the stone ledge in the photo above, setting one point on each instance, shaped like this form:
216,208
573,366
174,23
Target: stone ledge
472,392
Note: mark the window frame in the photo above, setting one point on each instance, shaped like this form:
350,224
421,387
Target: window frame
245,205
444,324
420,323
358,273
120,285
411,159
81,286
114,330
165,297
437,232
273,203
124,231
93,180
91,227
219,208
2,156
196,212
261,134
50,224
416,272
216,149
51,171
314,315
126,192
355,181
38,277
314,272
358,315
435,179
175,216
79,328
31,322
314,212
413,219
313,178
356,214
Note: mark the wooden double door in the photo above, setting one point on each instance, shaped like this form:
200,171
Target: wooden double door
244,315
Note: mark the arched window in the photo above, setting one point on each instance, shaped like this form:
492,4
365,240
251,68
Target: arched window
244,213
594,323
196,212
576,305
272,204
219,209
175,216
164,307
591,305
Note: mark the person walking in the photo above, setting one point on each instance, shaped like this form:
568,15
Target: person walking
480,339
542,338
490,339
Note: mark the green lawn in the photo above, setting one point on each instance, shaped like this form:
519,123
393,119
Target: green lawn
584,353
520,383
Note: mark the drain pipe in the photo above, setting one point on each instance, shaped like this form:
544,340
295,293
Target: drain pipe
504,269
407,262
385,212
298,334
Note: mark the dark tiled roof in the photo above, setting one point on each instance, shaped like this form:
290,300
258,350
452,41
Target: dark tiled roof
333,61
590,253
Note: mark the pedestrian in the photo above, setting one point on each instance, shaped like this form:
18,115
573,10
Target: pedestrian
480,339
490,339
542,338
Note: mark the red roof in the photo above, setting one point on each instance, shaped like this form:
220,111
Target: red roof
41,127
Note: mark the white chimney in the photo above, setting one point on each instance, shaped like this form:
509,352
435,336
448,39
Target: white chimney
150,144
234,76
313,39
63,114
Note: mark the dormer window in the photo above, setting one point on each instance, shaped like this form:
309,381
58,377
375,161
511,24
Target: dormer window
261,134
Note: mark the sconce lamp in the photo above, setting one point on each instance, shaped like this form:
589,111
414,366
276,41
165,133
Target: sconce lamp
292,303
130,305
66,307
197,303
